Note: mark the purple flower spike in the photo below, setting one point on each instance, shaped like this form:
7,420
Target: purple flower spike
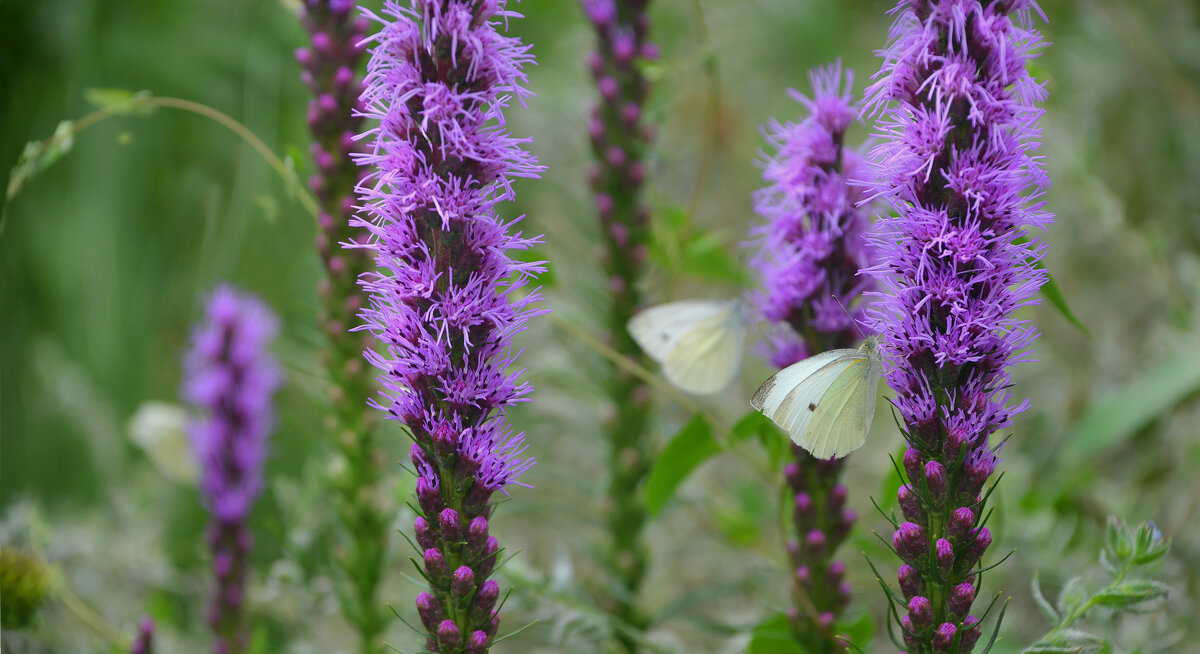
329,71
957,163
448,294
230,378
620,141
808,252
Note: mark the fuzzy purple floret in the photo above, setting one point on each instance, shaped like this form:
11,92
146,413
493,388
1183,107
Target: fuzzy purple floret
230,378
957,163
811,243
448,296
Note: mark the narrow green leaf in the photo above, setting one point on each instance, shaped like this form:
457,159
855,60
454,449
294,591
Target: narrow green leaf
1113,419
689,447
1131,593
774,636
1055,297
1042,602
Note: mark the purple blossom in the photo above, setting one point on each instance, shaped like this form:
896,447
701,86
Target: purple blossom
448,296
230,378
957,163
810,246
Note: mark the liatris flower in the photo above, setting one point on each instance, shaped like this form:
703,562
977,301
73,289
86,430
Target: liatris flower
446,300
810,250
144,642
230,377
619,143
958,165
329,72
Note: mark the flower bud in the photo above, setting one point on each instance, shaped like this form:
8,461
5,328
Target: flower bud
448,635
969,634
429,611
477,642
920,610
837,572
943,638
425,535
485,599
816,543
945,554
910,505
435,566
462,583
911,641
804,576
909,541
961,598
914,466
983,539
935,480
911,583
961,522
837,498
487,559
451,525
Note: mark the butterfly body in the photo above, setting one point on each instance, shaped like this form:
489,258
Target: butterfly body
827,401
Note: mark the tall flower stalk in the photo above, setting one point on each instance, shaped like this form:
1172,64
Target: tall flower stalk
447,297
810,248
958,164
619,143
329,64
230,377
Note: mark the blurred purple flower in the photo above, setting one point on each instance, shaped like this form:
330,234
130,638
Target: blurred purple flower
811,245
448,295
230,377
958,165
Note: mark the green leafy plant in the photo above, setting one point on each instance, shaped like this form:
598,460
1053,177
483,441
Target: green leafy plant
1125,550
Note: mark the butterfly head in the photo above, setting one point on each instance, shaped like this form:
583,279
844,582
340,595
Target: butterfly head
870,345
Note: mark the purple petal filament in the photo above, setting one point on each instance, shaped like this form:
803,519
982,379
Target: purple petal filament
230,378
448,296
810,248
957,163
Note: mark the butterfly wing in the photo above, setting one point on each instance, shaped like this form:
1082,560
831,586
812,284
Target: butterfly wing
843,416
789,398
699,343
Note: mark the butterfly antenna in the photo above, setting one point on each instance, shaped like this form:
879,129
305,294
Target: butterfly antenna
850,316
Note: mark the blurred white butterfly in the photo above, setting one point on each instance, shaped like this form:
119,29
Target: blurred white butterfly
825,402
699,343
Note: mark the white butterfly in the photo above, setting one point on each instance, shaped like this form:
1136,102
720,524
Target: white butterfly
699,343
825,402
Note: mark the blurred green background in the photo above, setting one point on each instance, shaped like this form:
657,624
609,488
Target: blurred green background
105,255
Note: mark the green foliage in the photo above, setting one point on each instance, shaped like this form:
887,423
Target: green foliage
38,156
24,585
1115,418
774,636
691,446
678,245
1125,549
